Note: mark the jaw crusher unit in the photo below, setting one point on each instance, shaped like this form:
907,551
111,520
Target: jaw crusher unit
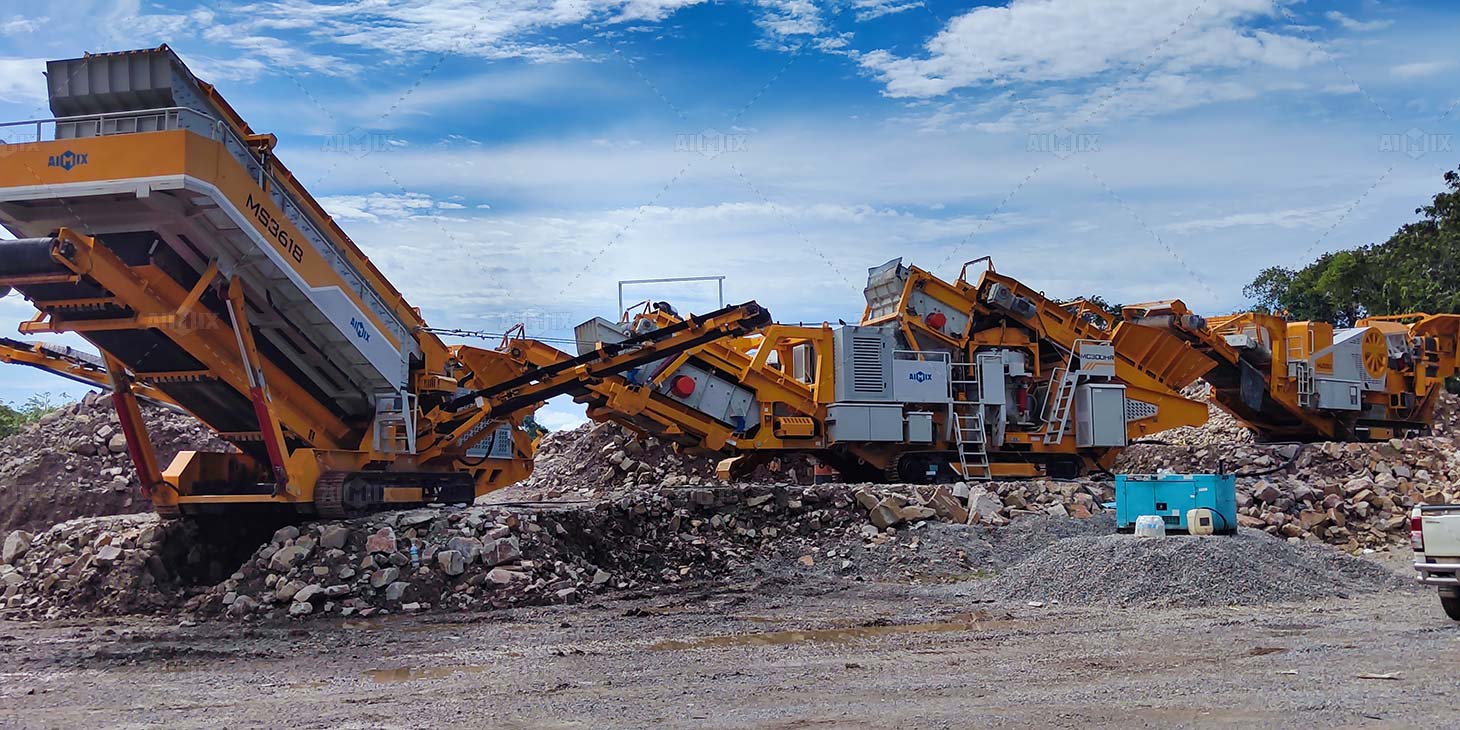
1310,381
985,379
156,224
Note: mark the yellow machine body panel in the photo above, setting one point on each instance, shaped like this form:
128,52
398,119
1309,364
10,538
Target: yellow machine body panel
1310,381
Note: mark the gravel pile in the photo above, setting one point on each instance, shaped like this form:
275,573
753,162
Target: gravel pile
74,463
1248,568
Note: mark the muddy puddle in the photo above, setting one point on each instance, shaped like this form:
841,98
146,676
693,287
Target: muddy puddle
961,622
410,674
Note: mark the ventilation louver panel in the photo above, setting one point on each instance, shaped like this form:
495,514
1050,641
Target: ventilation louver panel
867,373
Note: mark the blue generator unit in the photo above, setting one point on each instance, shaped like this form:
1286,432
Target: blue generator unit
1171,496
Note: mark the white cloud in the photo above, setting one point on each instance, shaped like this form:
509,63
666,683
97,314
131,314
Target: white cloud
1292,218
20,25
569,262
561,414
1357,25
652,9
274,53
1065,40
873,9
21,80
783,19
498,30
376,207
1420,69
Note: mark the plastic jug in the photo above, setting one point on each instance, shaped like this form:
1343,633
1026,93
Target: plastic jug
1150,526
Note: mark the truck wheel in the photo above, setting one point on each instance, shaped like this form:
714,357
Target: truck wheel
1451,604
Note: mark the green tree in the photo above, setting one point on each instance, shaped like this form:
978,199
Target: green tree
532,427
13,419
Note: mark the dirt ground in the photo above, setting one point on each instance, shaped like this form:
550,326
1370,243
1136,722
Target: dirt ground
777,653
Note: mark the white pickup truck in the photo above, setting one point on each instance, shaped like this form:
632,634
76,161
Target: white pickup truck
1434,533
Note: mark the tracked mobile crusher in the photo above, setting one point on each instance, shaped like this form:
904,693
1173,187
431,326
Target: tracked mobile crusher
155,223
1311,381
983,379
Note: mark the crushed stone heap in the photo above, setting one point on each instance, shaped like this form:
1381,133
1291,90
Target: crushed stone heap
1248,568
486,556
500,556
74,463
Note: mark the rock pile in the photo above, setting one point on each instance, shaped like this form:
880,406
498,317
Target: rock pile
1447,416
1219,432
1248,568
497,556
992,503
102,565
595,459
74,463
493,557
1354,495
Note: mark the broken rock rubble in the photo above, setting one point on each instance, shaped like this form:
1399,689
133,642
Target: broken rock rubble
486,557
1352,495
99,565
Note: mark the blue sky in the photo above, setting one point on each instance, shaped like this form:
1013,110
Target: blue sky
510,161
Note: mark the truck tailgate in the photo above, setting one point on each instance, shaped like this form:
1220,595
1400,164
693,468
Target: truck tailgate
1441,524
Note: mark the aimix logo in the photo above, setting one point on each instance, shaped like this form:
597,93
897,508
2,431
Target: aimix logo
919,376
67,160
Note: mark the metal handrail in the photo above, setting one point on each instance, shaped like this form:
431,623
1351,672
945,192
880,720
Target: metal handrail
214,122
963,272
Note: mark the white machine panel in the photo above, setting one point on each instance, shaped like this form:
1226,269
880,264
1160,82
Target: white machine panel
991,384
864,422
863,363
1097,358
920,381
1100,415
1339,395
919,427
714,396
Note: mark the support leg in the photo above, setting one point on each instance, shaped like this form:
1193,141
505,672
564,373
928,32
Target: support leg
269,429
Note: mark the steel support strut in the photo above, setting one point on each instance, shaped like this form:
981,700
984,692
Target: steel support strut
263,406
134,429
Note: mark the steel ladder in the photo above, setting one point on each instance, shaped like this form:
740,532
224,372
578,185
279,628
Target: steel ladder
970,436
